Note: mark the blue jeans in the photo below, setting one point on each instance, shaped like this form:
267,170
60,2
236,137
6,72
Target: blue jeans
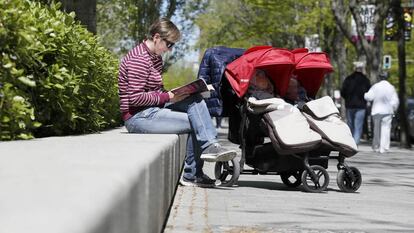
355,119
187,116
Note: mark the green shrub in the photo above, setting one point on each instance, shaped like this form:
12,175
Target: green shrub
55,79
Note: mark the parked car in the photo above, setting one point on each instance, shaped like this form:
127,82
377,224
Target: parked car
395,126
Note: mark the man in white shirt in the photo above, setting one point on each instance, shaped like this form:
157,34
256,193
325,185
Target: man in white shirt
384,103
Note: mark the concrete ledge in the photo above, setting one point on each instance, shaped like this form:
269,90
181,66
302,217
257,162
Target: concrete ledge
113,182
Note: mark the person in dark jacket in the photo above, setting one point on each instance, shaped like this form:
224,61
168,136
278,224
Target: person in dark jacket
353,90
211,69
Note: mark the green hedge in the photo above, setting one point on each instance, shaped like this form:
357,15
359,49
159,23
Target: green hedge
55,79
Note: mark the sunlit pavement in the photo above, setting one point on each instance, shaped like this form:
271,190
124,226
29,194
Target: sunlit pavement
262,203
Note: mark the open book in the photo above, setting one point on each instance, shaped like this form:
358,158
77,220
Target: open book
197,86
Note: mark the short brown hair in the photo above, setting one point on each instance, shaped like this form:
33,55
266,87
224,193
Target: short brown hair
166,29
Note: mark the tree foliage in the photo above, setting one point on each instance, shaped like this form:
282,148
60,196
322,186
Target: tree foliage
253,22
55,78
368,51
283,24
121,25
178,74
85,11
287,23
390,48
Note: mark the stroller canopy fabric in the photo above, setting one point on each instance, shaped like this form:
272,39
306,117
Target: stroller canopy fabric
310,70
277,63
299,53
280,65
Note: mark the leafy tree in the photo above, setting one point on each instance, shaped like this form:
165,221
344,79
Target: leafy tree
179,74
278,23
391,48
372,51
369,51
286,23
122,25
85,11
252,22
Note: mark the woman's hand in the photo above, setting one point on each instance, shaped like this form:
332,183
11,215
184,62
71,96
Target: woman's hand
176,98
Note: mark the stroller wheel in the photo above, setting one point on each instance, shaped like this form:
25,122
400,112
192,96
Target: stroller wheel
349,180
227,172
291,179
316,182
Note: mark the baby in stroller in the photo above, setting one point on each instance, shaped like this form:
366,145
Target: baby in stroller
261,87
278,138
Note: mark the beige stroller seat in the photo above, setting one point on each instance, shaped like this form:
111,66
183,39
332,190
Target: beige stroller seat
287,128
323,117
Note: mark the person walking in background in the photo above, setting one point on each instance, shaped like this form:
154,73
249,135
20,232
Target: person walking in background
353,89
384,103
147,108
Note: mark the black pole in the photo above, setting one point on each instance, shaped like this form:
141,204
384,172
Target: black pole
402,73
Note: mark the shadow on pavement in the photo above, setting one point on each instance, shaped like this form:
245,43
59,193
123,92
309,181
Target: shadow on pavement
266,185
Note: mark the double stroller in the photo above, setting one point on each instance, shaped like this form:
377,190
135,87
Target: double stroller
275,137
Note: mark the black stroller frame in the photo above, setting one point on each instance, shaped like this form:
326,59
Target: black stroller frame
306,168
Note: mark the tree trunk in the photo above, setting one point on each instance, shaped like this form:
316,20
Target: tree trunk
338,45
147,13
172,6
370,52
85,12
402,73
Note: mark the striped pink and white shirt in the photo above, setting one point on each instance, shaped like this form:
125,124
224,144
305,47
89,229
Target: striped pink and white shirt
140,81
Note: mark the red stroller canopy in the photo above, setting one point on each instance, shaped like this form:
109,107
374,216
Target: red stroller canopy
277,63
280,65
299,53
311,69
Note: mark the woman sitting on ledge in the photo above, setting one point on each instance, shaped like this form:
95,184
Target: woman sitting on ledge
147,108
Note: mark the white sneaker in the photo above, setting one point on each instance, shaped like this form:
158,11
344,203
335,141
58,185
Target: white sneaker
216,153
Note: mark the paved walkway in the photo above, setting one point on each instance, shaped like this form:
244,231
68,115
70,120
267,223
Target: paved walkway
262,203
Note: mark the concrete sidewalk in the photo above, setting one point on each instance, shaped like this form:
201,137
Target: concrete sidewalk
262,203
